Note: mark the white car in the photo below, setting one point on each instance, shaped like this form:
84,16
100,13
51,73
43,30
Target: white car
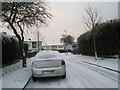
48,64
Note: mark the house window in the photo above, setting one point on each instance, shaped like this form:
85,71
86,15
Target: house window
54,47
34,44
60,46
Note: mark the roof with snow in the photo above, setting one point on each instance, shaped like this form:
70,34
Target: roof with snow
56,44
32,41
8,36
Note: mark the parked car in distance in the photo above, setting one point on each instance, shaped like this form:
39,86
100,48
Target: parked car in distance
48,64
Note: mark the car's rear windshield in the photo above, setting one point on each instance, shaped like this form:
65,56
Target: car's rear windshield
48,55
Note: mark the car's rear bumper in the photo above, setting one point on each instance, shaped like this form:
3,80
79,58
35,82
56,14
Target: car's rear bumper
49,72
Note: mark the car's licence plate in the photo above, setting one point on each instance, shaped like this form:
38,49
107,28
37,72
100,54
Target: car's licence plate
50,71
39,72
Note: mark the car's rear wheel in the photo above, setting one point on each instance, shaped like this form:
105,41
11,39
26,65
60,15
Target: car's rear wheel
63,76
34,78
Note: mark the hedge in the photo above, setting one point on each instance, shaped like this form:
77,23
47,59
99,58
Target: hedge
10,49
107,36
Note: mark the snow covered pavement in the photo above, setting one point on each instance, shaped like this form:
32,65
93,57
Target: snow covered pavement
14,76
17,79
79,75
111,63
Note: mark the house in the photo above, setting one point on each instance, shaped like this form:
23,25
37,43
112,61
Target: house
34,45
58,46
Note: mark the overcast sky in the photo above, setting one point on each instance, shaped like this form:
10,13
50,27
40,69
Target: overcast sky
69,16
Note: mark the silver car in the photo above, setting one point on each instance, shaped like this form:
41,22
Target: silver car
48,64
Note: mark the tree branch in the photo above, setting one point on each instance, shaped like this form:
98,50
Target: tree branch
11,12
22,33
14,30
16,11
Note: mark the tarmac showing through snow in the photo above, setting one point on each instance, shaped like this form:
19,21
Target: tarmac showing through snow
79,75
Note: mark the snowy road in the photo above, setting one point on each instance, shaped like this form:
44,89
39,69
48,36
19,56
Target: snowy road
79,75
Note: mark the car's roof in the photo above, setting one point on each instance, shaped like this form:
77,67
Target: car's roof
48,53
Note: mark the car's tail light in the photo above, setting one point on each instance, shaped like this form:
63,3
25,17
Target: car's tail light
62,62
33,65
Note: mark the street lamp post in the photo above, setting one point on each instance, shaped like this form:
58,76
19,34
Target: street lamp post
66,41
38,36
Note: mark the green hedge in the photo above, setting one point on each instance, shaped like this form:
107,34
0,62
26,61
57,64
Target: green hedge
106,37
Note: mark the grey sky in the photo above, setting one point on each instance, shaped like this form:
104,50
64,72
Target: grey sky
69,16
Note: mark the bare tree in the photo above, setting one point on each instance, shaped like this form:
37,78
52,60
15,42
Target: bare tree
21,15
92,19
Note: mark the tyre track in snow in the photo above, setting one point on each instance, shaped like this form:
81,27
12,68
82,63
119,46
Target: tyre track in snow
86,79
49,82
72,79
106,72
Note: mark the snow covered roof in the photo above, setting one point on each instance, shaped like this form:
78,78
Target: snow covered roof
56,44
32,41
8,36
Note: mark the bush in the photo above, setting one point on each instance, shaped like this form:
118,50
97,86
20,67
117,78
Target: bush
76,51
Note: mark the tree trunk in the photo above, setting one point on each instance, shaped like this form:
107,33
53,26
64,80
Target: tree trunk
20,44
95,48
22,53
